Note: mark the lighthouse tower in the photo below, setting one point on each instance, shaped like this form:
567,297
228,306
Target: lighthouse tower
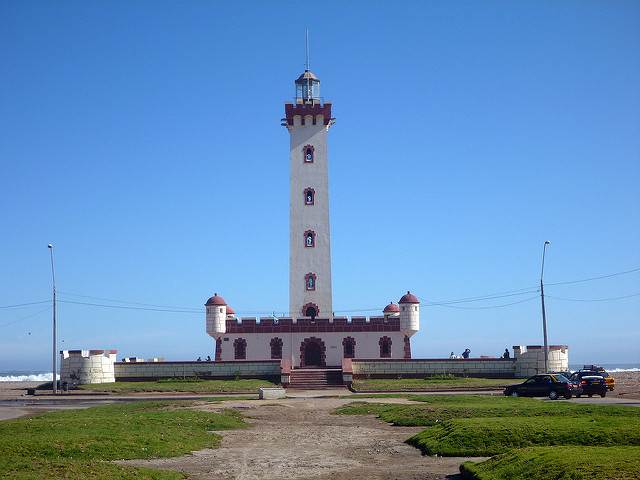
308,120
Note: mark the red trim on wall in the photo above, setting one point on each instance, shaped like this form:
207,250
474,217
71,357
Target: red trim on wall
291,110
313,239
382,342
348,341
305,325
313,196
276,348
323,350
308,289
240,349
307,305
407,347
305,150
218,349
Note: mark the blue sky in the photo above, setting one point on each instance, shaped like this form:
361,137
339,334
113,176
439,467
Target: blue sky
143,139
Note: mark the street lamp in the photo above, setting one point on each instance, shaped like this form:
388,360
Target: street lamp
53,278
544,313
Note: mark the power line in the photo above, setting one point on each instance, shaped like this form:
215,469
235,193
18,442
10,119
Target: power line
595,278
25,304
489,306
173,307
594,299
25,317
125,307
444,303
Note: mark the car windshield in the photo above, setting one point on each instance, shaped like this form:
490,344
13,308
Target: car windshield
561,378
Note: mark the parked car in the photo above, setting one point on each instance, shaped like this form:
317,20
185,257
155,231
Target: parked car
590,384
575,382
597,370
552,385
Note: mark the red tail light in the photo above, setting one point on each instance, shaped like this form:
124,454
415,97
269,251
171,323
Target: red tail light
583,382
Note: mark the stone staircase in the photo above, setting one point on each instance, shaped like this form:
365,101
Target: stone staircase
316,378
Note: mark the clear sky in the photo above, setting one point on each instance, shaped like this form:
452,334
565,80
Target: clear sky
143,139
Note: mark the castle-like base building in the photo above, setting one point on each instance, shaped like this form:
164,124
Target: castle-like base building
313,342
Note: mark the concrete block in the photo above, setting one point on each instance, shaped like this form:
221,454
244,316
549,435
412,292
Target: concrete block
271,393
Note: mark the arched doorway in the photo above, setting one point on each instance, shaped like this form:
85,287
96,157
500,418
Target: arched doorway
312,353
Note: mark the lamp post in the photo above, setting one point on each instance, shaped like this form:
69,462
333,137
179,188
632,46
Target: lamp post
544,313
53,278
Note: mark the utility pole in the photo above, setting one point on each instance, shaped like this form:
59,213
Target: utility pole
55,356
544,313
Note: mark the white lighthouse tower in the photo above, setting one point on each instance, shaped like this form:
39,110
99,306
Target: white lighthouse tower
308,121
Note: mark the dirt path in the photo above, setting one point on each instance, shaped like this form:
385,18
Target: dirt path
301,439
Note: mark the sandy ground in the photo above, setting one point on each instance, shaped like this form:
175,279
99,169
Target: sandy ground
627,385
301,439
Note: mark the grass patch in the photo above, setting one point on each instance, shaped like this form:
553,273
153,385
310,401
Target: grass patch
567,463
77,443
181,385
442,382
492,436
438,408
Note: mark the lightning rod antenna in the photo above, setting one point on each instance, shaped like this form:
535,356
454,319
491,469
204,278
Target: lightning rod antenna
306,46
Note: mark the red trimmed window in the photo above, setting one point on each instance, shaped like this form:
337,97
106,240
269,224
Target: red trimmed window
310,310
310,281
276,348
240,349
385,347
349,347
309,239
309,196
308,153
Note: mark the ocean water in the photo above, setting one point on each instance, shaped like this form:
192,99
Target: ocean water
25,376
610,367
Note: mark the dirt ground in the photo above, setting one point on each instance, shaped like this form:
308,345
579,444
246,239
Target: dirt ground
301,438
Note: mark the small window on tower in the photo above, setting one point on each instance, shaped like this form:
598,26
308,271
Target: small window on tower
309,239
308,154
309,196
310,281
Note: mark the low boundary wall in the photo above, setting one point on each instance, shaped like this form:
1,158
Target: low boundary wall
99,366
526,361
141,371
420,368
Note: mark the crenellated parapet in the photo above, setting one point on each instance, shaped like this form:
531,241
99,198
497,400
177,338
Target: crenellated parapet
306,325
87,366
307,113
530,359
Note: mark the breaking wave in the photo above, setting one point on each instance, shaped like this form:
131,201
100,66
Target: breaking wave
36,377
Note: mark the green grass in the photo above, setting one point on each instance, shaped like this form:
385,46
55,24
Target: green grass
179,385
437,408
492,436
443,382
74,444
567,463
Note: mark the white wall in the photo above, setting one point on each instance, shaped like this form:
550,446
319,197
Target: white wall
259,347
315,217
81,367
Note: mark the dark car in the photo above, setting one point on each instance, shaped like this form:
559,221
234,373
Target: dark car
597,370
550,385
591,383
